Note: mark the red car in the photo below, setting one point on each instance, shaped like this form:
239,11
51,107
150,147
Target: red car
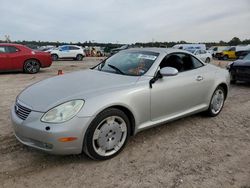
16,57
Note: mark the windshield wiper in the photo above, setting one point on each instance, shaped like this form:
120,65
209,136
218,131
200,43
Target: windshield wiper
115,68
101,65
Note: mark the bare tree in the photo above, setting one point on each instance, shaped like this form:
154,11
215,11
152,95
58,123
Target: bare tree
7,38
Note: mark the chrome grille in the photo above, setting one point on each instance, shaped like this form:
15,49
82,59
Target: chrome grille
21,111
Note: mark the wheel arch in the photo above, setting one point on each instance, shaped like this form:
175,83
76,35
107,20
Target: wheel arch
128,113
130,117
225,87
79,54
54,53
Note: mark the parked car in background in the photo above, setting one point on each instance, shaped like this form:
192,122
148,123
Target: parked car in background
190,46
46,48
242,54
17,57
96,110
204,55
216,49
67,52
227,53
240,69
115,50
230,52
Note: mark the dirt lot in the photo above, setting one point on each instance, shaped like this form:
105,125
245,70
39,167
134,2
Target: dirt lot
192,152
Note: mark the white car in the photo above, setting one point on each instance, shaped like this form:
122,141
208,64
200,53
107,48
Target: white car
203,55
67,52
190,46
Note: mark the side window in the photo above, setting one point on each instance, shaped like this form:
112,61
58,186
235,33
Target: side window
203,51
2,49
196,63
216,48
73,48
12,49
181,61
198,52
64,48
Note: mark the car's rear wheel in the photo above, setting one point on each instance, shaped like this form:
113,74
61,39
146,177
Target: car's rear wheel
217,102
54,57
207,60
31,66
107,134
79,57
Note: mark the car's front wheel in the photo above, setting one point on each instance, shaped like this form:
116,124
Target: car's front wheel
31,66
216,102
107,134
207,60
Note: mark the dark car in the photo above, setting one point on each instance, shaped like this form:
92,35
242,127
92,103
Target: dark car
242,54
240,69
17,57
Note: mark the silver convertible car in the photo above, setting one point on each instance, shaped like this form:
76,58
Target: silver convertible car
96,110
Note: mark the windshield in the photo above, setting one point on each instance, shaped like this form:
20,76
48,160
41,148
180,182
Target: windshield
133,63
247,57
191,50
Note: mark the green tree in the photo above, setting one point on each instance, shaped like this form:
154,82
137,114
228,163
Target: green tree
235,41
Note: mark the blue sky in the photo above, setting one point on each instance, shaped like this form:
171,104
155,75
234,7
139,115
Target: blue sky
125,21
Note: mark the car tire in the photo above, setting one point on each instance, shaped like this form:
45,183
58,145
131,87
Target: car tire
31,66
79,57
54,57
225,57
216,102
207,60
107,134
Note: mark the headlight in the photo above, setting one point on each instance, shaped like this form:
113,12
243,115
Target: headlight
63,112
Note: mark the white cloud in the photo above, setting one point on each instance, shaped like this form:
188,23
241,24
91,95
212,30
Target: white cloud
125,21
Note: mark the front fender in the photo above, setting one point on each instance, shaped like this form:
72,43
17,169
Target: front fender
136,100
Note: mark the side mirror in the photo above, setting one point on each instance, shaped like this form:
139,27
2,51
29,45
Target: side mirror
168,71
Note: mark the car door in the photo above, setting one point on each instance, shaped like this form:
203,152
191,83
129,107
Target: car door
73,51
203,55
180,94
16,58
198,53
4,60
64,52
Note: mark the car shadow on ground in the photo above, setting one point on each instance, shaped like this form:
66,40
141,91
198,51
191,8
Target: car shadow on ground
238,83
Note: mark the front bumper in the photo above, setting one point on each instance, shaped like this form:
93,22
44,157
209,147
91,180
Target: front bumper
241,74
32,132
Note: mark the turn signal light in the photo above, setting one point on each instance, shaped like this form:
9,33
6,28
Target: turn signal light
67,139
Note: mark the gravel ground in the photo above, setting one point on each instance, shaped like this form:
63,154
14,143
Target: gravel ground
192,152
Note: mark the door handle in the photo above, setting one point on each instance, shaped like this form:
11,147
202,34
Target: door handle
199,78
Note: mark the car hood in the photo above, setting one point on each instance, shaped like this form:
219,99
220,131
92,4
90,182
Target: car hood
51,92
241,62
